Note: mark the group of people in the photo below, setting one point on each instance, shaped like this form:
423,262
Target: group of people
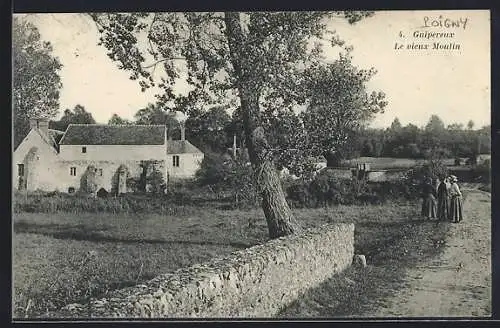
442,200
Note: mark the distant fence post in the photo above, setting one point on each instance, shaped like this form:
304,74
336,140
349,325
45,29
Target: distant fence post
361,171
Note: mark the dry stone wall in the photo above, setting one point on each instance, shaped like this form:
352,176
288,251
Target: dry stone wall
254,282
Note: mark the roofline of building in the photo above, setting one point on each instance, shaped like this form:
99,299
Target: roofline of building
112,125
55,130
63,136
45,140
185,140
25,137
103,124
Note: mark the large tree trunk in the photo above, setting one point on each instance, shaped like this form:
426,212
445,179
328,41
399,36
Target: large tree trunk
278,215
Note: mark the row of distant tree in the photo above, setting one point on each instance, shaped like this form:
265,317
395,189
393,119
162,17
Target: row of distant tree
433,140
213,130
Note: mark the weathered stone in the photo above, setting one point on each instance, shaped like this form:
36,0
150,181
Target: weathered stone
360,261
254,282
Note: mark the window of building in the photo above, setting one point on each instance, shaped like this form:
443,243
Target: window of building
99,171
20,170
72,171
176,161
84,150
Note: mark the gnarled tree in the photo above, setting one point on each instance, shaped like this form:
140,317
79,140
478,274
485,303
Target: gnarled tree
259,57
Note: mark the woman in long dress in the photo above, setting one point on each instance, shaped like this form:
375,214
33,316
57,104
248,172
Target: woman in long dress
429,206
443,203
456,211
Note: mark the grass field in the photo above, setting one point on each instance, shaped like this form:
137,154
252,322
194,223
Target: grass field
63,258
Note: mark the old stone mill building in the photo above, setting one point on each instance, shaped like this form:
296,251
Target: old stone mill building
52,160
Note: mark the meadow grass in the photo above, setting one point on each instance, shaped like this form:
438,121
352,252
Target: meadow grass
62,258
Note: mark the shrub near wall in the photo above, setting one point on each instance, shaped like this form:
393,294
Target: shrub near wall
326,190
254,282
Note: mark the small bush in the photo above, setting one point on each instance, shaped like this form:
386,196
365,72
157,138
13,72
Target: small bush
226,175
434,169
156,182
299,194
483,172
213,171
88,182
327,189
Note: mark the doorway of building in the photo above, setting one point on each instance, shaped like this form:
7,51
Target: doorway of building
21,181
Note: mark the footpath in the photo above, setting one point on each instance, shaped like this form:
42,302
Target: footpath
458,282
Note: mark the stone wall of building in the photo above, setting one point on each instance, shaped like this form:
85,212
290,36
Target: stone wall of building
106,172
111,152
188,165
254,282
39,161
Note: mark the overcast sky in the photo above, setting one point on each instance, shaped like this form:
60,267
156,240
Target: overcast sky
454,84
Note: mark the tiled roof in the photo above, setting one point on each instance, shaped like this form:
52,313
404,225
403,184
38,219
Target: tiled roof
181,147
102,134
56,135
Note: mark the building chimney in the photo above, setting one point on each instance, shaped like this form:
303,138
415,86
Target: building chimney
183,131
41,124
33,123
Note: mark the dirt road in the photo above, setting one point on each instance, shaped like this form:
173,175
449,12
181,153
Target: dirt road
458,282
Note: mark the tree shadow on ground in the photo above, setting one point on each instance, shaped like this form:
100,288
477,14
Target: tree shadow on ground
82,232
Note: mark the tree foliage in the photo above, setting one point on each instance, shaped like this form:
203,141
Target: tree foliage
209,129
36,81
470,125
88,181
258,57
223,174
158,114
339,105
117,120
76,116
150,179
432,141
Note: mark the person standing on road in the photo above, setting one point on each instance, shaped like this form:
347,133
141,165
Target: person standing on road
456,211
442,202
429,206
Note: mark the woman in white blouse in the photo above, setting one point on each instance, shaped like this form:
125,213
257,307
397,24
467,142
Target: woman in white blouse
456,212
